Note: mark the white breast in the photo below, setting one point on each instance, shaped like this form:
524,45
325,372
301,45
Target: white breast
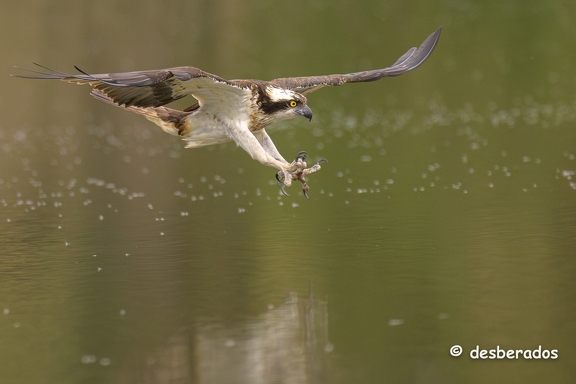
210,123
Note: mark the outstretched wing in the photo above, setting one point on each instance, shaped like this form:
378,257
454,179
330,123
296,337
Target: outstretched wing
150,88
410,60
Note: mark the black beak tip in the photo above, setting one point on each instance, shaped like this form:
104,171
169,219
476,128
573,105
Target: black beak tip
305,111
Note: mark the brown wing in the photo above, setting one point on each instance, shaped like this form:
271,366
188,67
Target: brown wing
409,61
150,88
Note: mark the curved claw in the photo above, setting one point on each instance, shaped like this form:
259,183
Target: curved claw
322,159
281,185
302,155
305,193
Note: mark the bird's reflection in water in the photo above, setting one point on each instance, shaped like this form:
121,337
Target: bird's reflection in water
286,344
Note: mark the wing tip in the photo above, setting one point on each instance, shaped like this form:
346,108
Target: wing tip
50,74
435,36
421,54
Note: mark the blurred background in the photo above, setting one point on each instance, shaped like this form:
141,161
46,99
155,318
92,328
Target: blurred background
446,214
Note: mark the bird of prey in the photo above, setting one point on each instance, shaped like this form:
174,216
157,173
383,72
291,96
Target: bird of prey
225,110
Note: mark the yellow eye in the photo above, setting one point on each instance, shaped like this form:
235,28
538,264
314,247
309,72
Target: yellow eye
292,103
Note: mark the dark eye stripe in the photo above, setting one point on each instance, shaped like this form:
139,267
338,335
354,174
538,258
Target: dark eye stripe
271,107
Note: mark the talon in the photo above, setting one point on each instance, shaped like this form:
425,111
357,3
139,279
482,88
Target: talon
285,177
322,159
301,155
305,187
281,184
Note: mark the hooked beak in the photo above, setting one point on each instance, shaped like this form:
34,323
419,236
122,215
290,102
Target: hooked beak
305,111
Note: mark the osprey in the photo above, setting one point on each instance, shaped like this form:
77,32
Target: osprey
225,110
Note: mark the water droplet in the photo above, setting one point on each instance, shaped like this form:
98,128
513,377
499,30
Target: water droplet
329,347
395,322
88,359
105,361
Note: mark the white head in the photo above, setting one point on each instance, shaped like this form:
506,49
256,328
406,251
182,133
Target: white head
278,104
